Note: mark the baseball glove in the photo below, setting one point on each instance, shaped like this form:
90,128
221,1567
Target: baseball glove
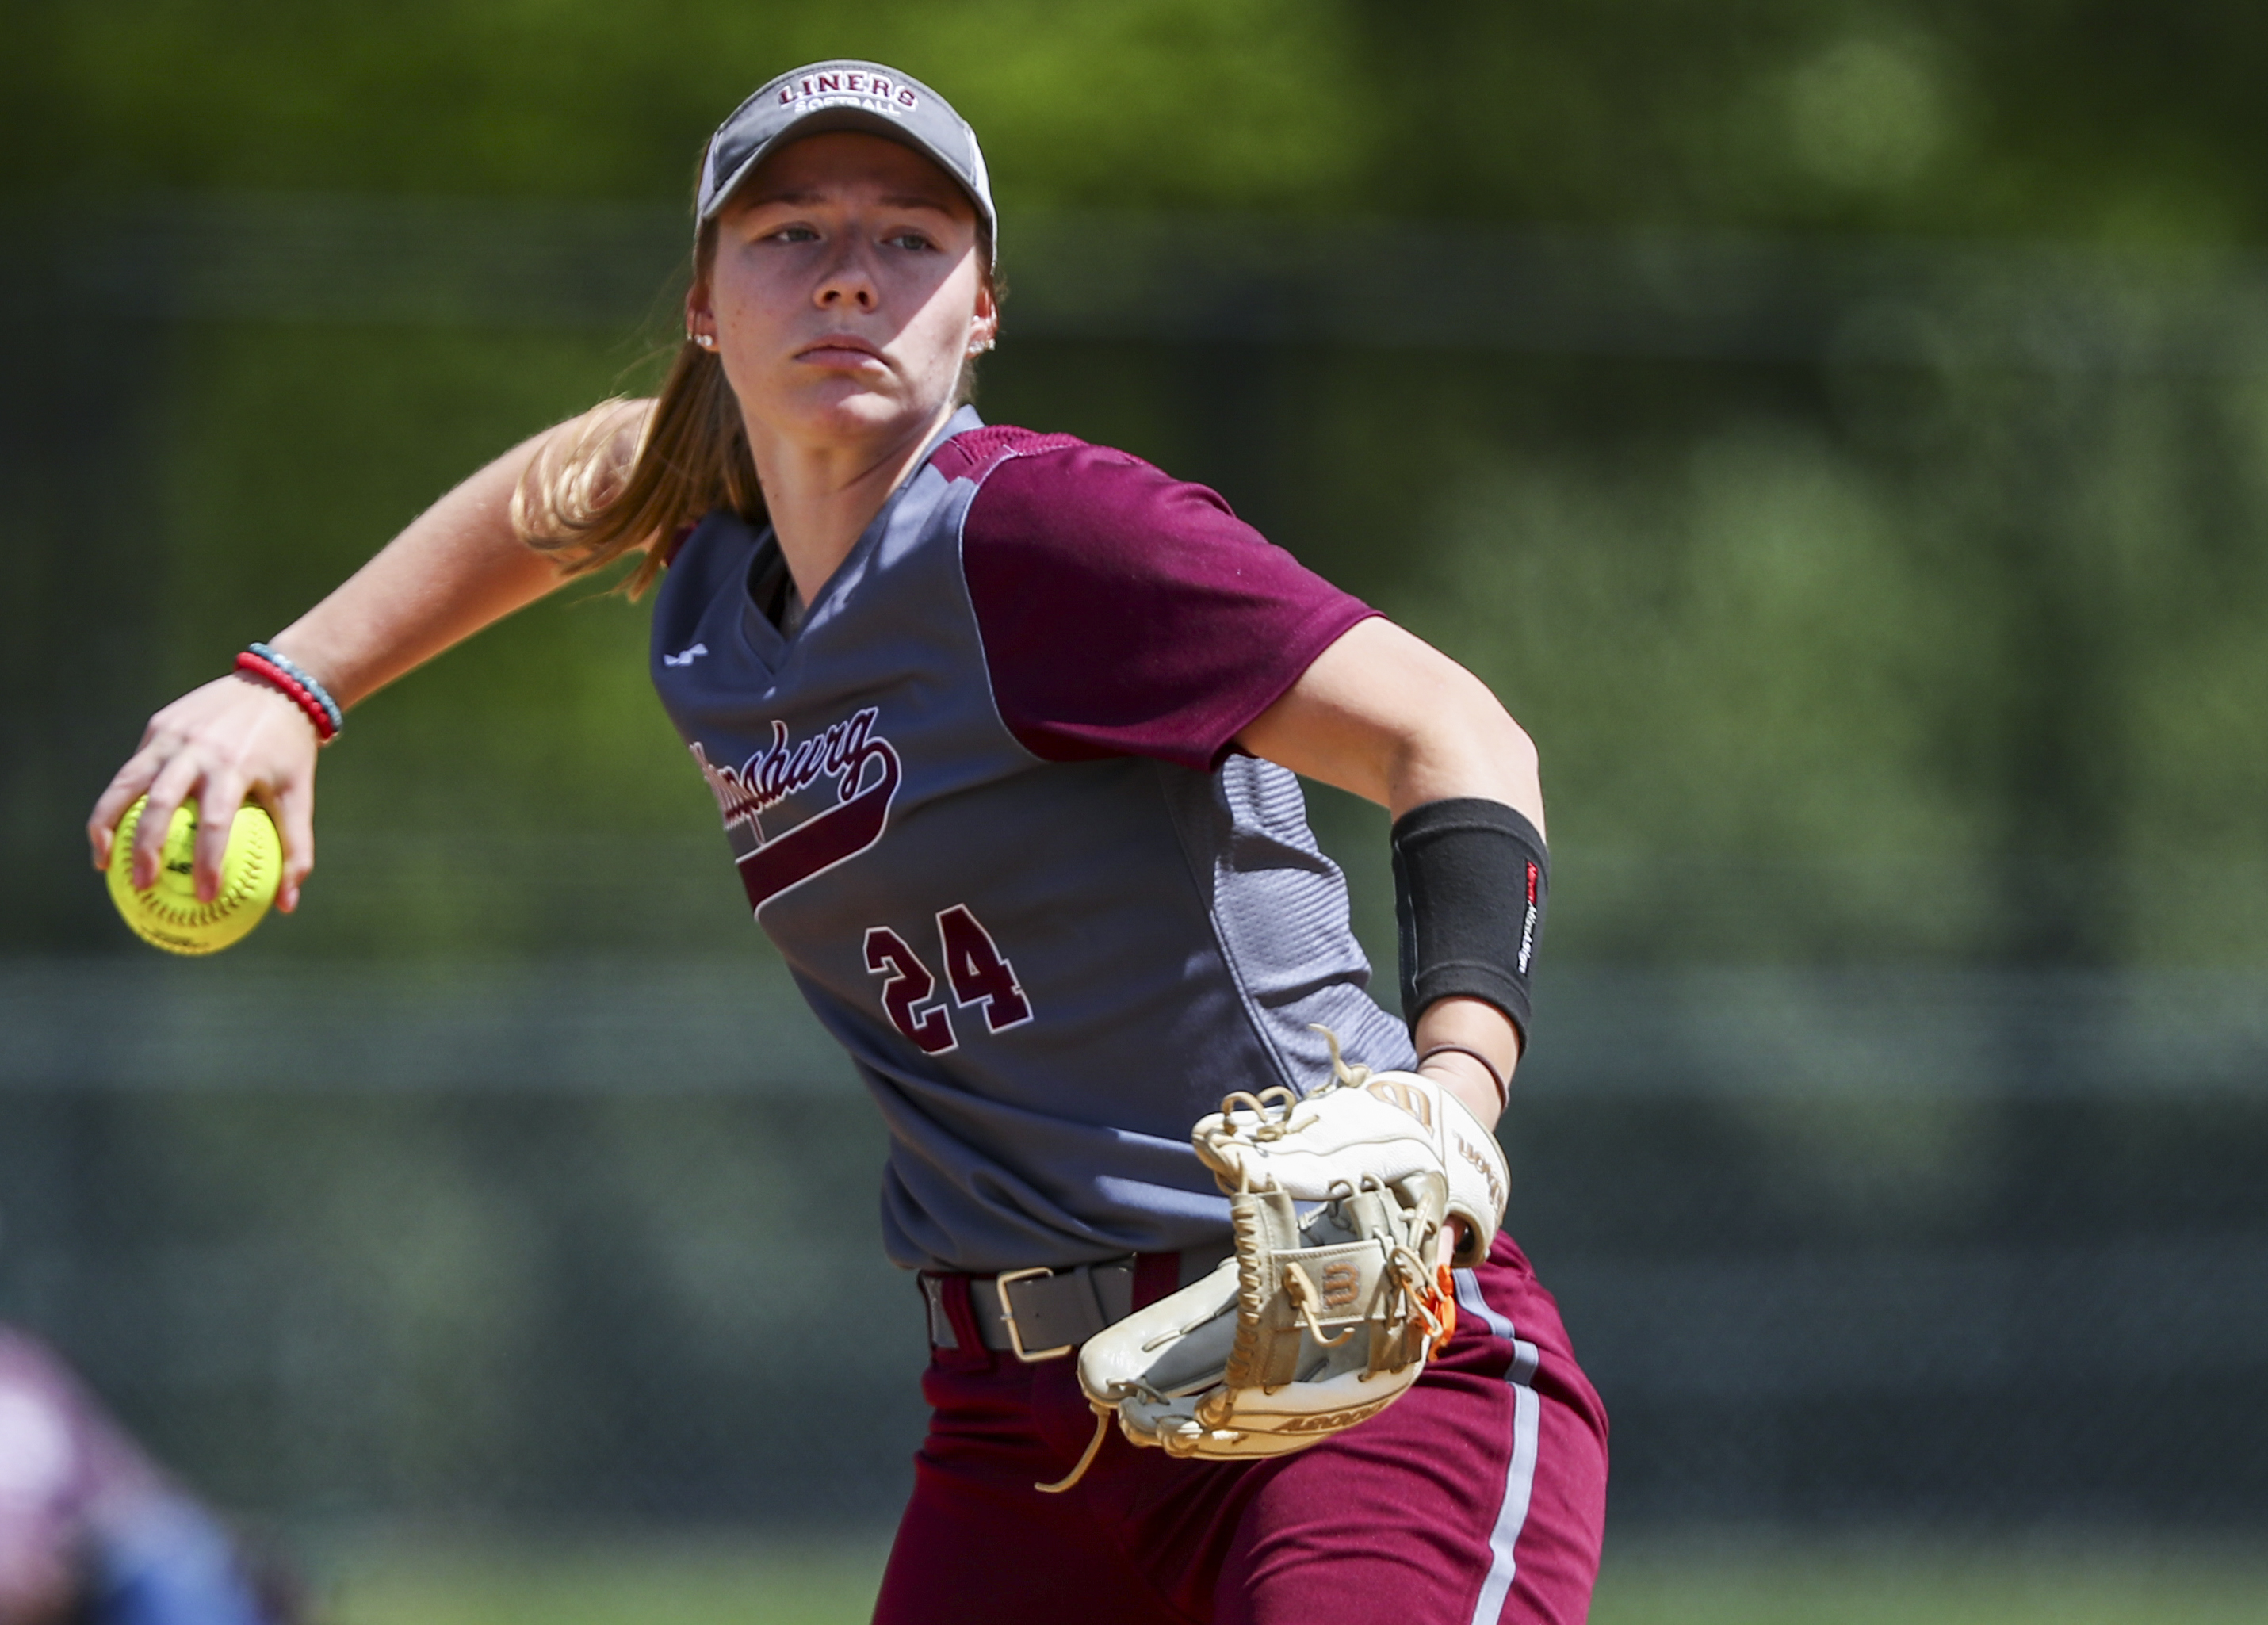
1321,1320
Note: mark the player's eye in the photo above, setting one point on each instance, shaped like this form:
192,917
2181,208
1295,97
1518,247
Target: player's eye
913,241
795,234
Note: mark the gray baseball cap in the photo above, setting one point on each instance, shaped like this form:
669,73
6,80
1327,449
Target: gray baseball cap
845,95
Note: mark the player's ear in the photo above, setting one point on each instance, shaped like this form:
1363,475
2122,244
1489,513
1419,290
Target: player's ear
699,314
986,327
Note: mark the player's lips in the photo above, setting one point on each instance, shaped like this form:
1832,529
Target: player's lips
840,350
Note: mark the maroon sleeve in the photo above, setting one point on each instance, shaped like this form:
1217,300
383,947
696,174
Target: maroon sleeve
1124,613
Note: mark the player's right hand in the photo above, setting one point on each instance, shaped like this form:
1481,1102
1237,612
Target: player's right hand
232,739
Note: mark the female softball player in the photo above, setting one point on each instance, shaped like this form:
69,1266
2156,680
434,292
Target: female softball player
1002,728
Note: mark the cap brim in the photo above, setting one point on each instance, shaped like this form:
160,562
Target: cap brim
823,121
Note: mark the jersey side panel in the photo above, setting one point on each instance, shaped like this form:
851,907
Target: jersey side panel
1280,912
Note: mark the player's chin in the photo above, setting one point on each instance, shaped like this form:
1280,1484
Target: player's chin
857,408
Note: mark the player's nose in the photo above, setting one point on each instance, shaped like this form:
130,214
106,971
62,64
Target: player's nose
848,280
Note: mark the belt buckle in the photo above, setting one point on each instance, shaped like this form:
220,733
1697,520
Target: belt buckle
1000,1284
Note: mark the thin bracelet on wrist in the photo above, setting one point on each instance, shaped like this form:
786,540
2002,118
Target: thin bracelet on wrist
320,710
1503,1083
306,680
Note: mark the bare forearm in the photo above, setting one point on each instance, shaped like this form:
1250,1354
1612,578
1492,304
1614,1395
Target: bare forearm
1473,1024
457,567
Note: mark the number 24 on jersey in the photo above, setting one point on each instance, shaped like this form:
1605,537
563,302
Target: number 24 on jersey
973,969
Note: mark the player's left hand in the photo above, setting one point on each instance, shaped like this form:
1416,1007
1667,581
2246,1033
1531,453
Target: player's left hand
1362,1129
1323,1317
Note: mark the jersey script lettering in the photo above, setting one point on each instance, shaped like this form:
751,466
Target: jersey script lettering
843,750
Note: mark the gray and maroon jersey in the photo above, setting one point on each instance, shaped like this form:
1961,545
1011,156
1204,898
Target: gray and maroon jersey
986,800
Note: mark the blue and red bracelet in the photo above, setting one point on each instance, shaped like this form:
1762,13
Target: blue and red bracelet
298,684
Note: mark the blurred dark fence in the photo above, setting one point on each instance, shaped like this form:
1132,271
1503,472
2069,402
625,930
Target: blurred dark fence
1893,618
597,1239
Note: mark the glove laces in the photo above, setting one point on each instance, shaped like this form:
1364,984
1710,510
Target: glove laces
1093,1449
1343,1076
1270,1114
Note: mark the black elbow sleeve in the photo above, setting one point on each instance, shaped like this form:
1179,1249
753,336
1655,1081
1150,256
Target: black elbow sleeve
1469,881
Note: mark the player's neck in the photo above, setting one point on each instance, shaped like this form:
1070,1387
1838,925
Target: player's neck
821,497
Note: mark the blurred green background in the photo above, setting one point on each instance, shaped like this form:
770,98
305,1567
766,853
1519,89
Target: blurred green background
1837,432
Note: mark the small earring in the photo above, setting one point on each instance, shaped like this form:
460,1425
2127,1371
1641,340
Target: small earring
704,340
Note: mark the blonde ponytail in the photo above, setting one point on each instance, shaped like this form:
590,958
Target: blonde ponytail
587,498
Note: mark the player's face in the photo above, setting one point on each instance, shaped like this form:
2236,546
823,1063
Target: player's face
845,292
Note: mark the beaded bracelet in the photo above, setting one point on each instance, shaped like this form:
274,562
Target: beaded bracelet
305,679
1503,1083
307,695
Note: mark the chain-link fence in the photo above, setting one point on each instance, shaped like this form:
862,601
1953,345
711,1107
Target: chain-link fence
597,1240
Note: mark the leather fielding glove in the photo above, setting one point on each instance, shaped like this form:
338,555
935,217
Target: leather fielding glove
1323,1319
1378,1127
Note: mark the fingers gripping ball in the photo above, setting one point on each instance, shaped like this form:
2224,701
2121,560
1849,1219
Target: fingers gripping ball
169,915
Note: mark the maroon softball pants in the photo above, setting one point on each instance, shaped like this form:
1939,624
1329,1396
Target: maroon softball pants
1479,1496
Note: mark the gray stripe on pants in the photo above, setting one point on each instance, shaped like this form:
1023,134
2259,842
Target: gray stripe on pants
1520,1477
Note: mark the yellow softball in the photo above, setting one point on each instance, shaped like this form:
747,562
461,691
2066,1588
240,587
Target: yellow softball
169,915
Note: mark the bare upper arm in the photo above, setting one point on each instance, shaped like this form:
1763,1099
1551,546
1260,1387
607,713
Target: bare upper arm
1386,716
